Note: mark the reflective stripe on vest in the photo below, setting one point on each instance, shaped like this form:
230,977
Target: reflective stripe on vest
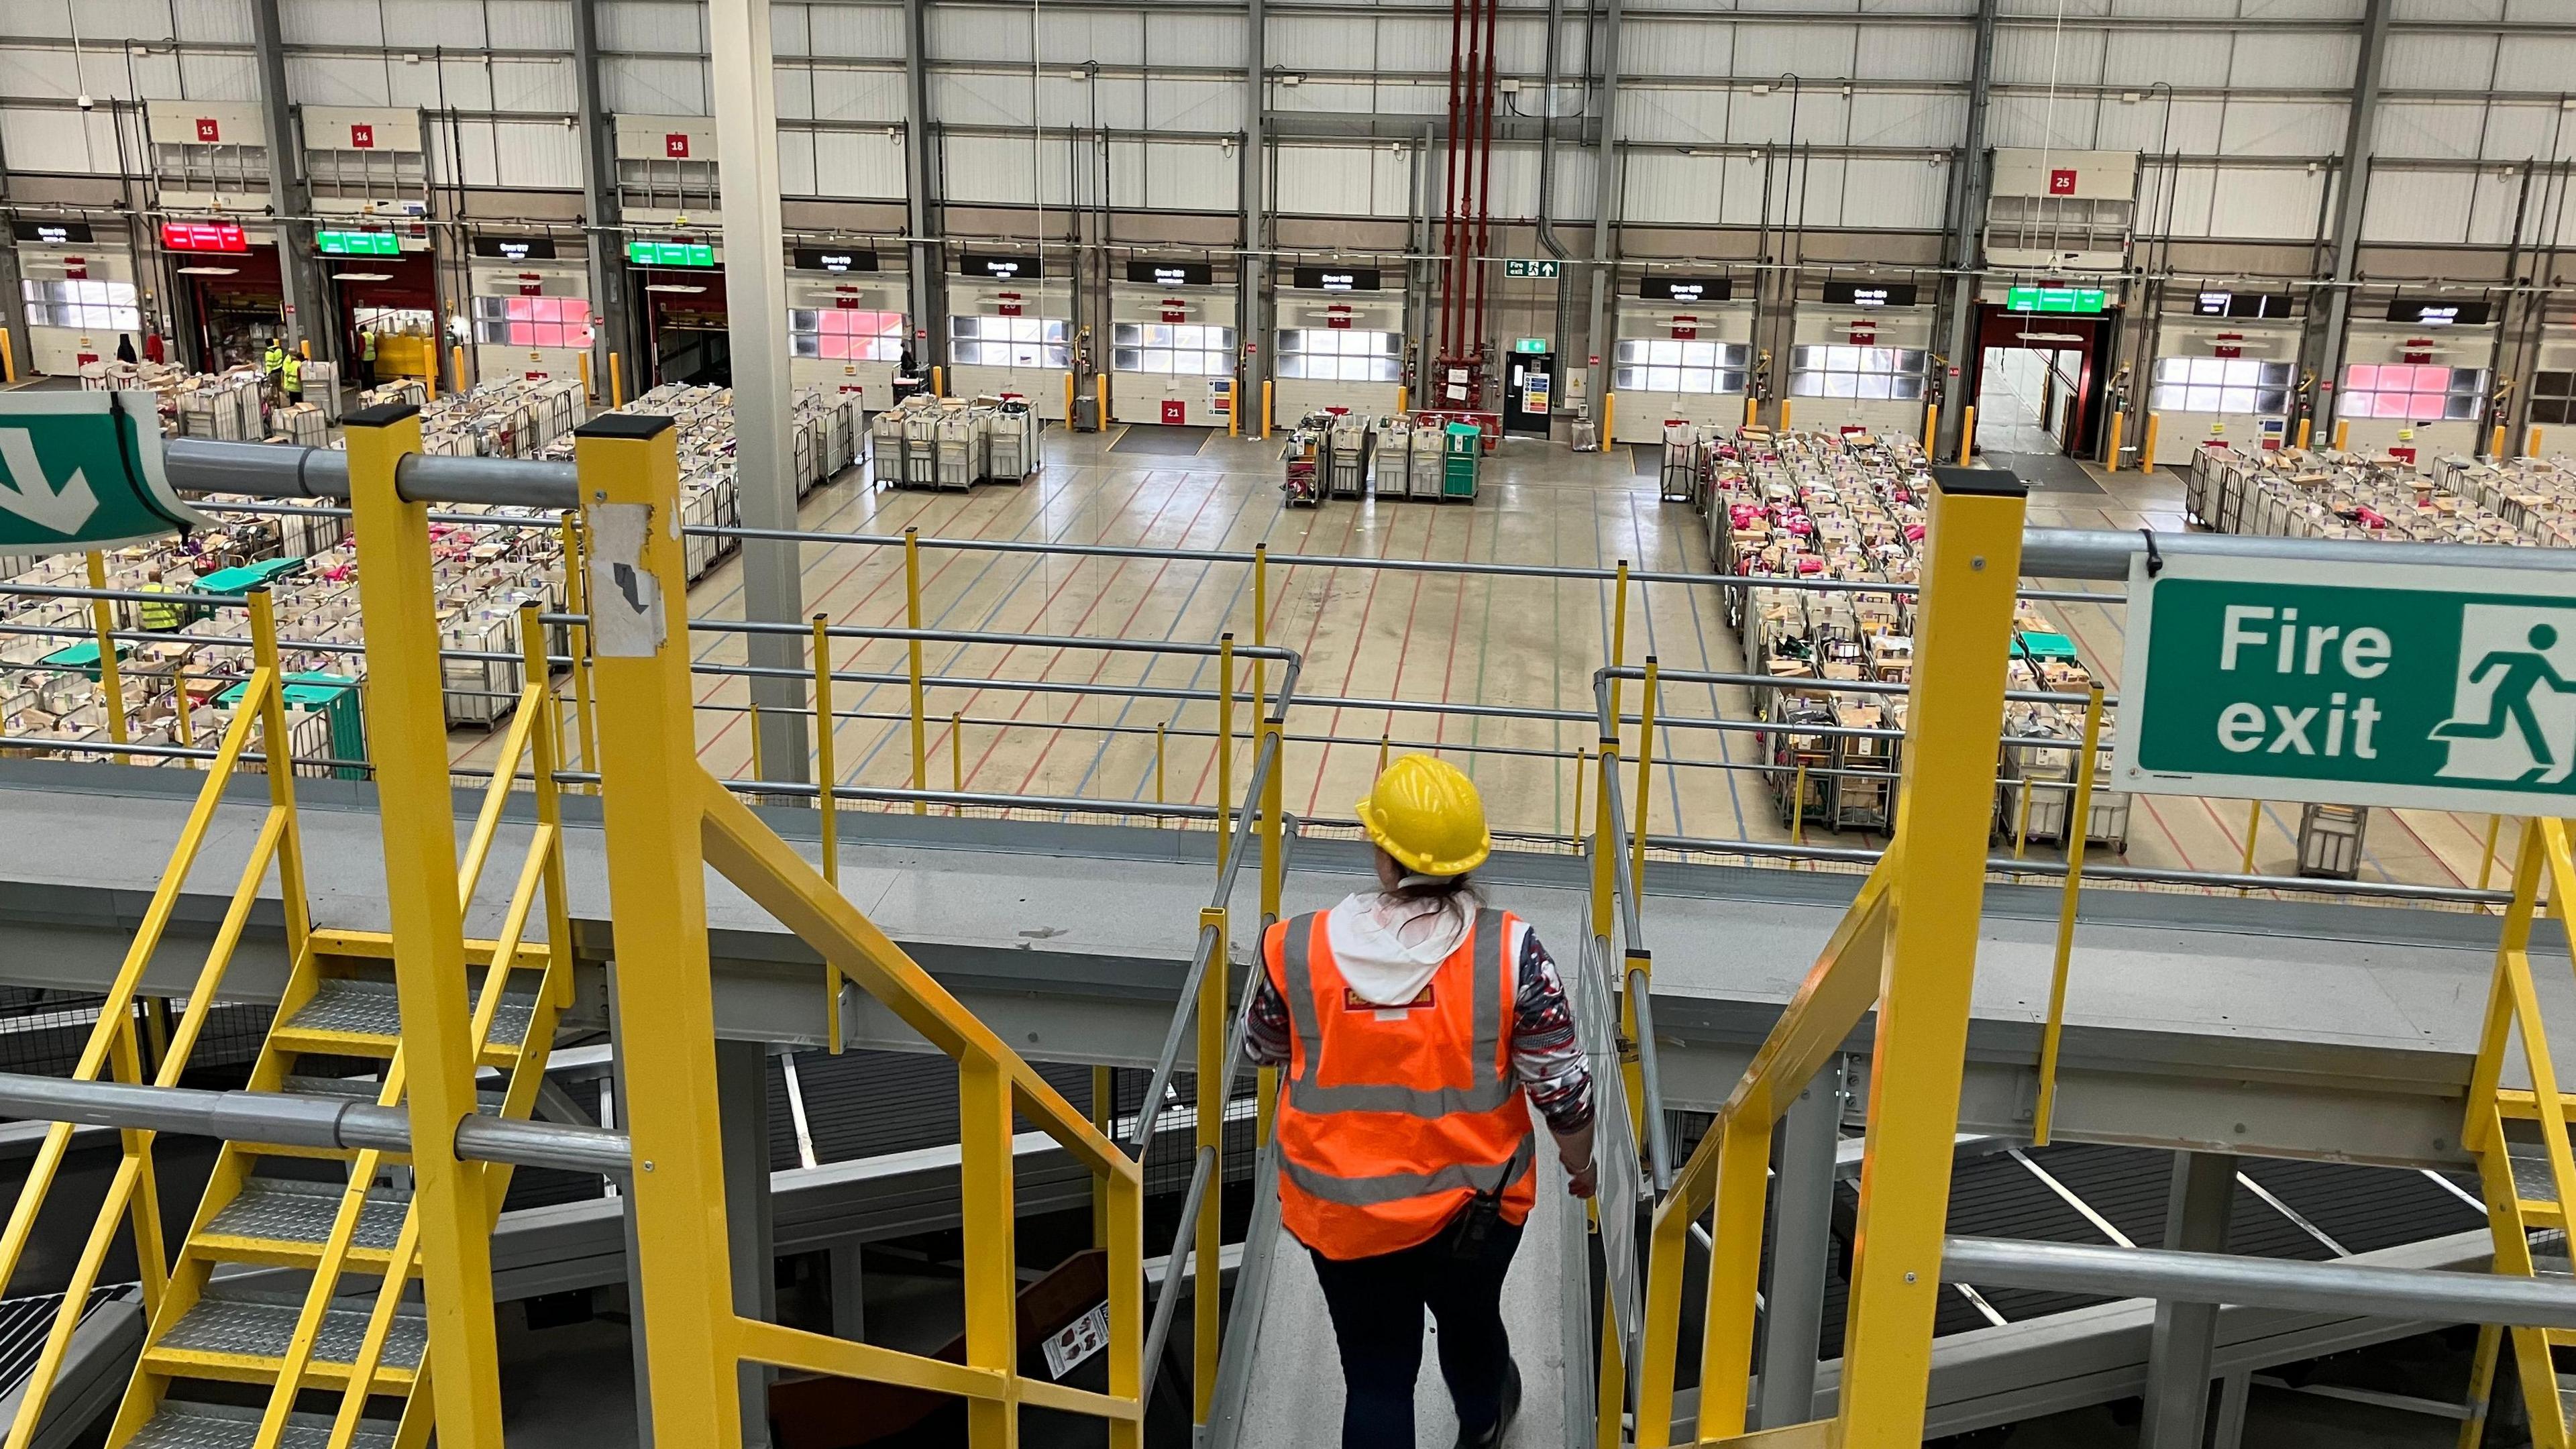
1397,1186
1494,1085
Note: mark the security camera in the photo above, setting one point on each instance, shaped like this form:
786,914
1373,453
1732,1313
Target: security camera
84,102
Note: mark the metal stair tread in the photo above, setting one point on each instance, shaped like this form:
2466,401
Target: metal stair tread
2531,1179
215,1426
261,1326
282,1210
345,1006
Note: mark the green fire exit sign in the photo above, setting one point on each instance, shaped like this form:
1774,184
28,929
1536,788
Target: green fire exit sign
2425,686
2056,299
1524,267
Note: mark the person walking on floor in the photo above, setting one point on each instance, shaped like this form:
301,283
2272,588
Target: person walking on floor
125,348
367,357
1418,1027
291,379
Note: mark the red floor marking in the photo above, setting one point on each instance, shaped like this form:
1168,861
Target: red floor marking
1359,638
1049,603
1350,530
1102,662
896,615
1457,616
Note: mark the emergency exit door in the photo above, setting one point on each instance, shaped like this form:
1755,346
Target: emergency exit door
1529,393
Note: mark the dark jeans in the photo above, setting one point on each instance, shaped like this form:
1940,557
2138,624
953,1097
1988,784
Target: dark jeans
1377,1308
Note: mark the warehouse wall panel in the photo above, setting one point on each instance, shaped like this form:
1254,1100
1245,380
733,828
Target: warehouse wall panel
531,24
222,21
854,164
2283,128
545,155
1892,193
858,95
1675,48
1178,176
1915,52
332,80
999,170
2448,129
794,86
1684,190
2417,206
639,85
2297,59
2539,63
1192,105
225,76
36,74
2269,204
2432,60
2029,55
99,19
1345,181
1210,40
1932,120
868,31
468,154
1813,50
962,33
2140,58
338,22
57,140
1682,116
2065,122
674,26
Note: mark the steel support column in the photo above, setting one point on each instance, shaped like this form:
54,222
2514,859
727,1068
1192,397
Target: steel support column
1803,1219
640,1354
1252,197
743,65
1967,224
288,197
13,317
742,1105
1606,194
847,1267
2229,1431
929,258
611,309
2352,191
2178,1354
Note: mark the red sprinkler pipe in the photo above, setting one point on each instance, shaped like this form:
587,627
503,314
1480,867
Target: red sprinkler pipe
1484,187
1461,282
1453,179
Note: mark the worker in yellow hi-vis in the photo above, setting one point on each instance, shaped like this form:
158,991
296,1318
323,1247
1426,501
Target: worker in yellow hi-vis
1419,1027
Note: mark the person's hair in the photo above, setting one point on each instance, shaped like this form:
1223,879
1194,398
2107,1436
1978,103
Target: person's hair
1458,893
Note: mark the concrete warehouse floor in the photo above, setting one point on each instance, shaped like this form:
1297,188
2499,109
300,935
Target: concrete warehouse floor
1375,634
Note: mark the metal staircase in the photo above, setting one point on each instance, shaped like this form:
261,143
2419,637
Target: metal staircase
2519,1134
298,1272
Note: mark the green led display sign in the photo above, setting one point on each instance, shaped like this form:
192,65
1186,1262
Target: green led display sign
357,243
2056,299
671,254
1530,344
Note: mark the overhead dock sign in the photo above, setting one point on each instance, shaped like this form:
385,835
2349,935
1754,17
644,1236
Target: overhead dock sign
2426,686
82,470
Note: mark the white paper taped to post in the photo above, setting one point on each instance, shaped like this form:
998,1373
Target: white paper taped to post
626,614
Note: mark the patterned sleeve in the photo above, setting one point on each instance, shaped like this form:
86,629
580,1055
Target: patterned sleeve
1267,1040
1546,1055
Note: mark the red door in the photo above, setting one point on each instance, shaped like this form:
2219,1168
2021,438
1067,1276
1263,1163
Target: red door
1175,411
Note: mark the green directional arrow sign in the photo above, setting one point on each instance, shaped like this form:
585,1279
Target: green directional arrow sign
2432,687
82,470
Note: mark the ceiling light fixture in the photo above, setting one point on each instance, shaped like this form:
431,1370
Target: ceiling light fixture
362,276
208,271
674,287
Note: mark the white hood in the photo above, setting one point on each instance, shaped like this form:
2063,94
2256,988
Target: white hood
1389,948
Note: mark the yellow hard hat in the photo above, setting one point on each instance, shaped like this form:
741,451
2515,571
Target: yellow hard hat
1427,815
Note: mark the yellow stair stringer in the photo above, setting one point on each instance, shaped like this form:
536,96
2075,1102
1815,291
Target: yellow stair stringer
367,1377
2513,1016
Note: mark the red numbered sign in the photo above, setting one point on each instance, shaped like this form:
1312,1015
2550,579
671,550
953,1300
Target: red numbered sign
2061,182
676,144
208,130
361,137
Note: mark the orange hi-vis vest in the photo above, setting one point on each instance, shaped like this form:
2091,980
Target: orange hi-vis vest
1392,1118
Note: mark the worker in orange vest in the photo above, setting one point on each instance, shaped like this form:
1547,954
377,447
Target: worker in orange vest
1418,1027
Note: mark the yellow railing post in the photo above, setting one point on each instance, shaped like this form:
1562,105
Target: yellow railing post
1582,762
1104,1113
1274,807
651,813
1972,563
1798,805
957,758
577,598
1161,731
545,757
2021,823
987,1217
2253,828
274,741
1385,743
2078,834
827,778
111,680
407,738
759,766
2487,858
1224,747
912,654
1213,1090
2111,454
1645,783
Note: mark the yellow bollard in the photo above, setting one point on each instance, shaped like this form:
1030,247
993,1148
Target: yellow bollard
1068,397
111,680
2495,444
1100,390
1265,409
429,385
938,381
1752,412
1931,425
616,381
588,393
1159,732
2253,828
2111,455
2343,430
2529,450
1401,393
1967,433
2307,429
306,348
2147,446
1609,413
457,354
8,358
1234,407
912,650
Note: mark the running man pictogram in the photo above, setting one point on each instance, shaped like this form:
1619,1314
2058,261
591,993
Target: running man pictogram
2509,703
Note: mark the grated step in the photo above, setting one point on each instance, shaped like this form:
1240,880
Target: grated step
347,1007
216,1426
2531,1179
260,1325
281,1210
